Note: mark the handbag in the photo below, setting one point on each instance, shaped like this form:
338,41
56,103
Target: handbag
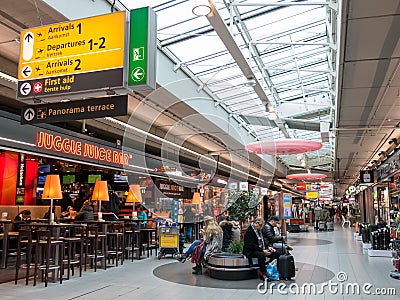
272,270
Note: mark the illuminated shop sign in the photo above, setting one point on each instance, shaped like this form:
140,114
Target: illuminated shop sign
66,145
170,190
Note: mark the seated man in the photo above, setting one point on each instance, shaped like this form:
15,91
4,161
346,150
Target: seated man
271,237
23,217
254,246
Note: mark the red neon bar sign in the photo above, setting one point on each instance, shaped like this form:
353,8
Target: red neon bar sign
69,146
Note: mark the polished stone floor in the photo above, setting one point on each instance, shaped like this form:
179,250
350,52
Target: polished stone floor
329,260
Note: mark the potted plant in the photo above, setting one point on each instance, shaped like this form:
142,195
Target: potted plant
242,205
236,248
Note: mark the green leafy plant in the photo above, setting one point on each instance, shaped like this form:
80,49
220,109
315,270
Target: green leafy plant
236,248
242,206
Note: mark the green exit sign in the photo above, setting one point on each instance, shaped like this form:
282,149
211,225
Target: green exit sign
142,49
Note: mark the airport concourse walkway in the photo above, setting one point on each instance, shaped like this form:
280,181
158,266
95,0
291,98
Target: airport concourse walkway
320,257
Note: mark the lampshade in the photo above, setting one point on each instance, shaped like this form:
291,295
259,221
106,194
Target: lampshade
134,194
201,7
100,192
196,198
52,187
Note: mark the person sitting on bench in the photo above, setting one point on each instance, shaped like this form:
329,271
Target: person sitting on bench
274,240
254,246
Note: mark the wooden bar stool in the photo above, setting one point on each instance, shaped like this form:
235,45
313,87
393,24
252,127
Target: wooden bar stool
24,240
73,251
49,256
115,243
94,239
130,237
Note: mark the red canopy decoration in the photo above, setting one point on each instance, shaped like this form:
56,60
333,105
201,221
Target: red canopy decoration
283,147
306,176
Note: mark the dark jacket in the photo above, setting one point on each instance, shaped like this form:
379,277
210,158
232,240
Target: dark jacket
269,235
188,215
250,243
86,212
227,234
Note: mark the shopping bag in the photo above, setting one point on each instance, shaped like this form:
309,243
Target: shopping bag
272,270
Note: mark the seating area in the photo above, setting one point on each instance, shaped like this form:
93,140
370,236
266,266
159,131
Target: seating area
53,252
229,266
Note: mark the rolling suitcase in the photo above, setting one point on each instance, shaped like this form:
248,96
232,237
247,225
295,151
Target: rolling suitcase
294,228
322,225
286,266
365,235
329,226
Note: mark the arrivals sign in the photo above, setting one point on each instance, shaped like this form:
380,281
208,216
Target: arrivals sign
75,110
142,49
71,57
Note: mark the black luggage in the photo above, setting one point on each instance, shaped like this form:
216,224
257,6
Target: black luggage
295,228
365,235
329,226
286,266
322,225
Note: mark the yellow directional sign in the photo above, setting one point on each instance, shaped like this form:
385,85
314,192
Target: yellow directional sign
312,195
79,46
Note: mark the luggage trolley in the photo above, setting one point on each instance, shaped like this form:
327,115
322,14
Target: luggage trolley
169,240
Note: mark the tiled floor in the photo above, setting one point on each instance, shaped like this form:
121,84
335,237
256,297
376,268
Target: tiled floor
319,255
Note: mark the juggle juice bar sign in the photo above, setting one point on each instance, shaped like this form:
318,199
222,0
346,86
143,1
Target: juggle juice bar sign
74,147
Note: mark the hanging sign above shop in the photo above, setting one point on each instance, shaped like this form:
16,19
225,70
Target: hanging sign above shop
75,110
71,57
312,195
169,189
142,49
367,176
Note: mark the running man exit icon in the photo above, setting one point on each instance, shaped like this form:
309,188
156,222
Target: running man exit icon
138,53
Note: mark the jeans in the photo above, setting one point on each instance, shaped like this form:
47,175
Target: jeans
192,246
189,232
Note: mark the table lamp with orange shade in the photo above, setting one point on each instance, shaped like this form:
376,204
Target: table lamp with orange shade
134,195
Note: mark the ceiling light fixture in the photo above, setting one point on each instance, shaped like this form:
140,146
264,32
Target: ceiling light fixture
201,8
272,116
250,82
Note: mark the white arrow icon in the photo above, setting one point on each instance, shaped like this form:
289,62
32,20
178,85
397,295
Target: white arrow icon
26,72
25,88
137,74
29,114
27,45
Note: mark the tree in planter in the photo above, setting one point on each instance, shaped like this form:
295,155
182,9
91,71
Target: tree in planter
242,206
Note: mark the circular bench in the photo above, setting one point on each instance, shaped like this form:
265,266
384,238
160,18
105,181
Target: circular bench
229,266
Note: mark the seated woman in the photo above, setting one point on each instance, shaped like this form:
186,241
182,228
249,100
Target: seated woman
86,212
202,249
141,215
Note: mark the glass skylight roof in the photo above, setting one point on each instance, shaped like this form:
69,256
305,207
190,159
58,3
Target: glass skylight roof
290,48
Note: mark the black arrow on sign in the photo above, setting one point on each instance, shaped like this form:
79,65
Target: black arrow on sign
29,36
29,115
26,71
24,88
